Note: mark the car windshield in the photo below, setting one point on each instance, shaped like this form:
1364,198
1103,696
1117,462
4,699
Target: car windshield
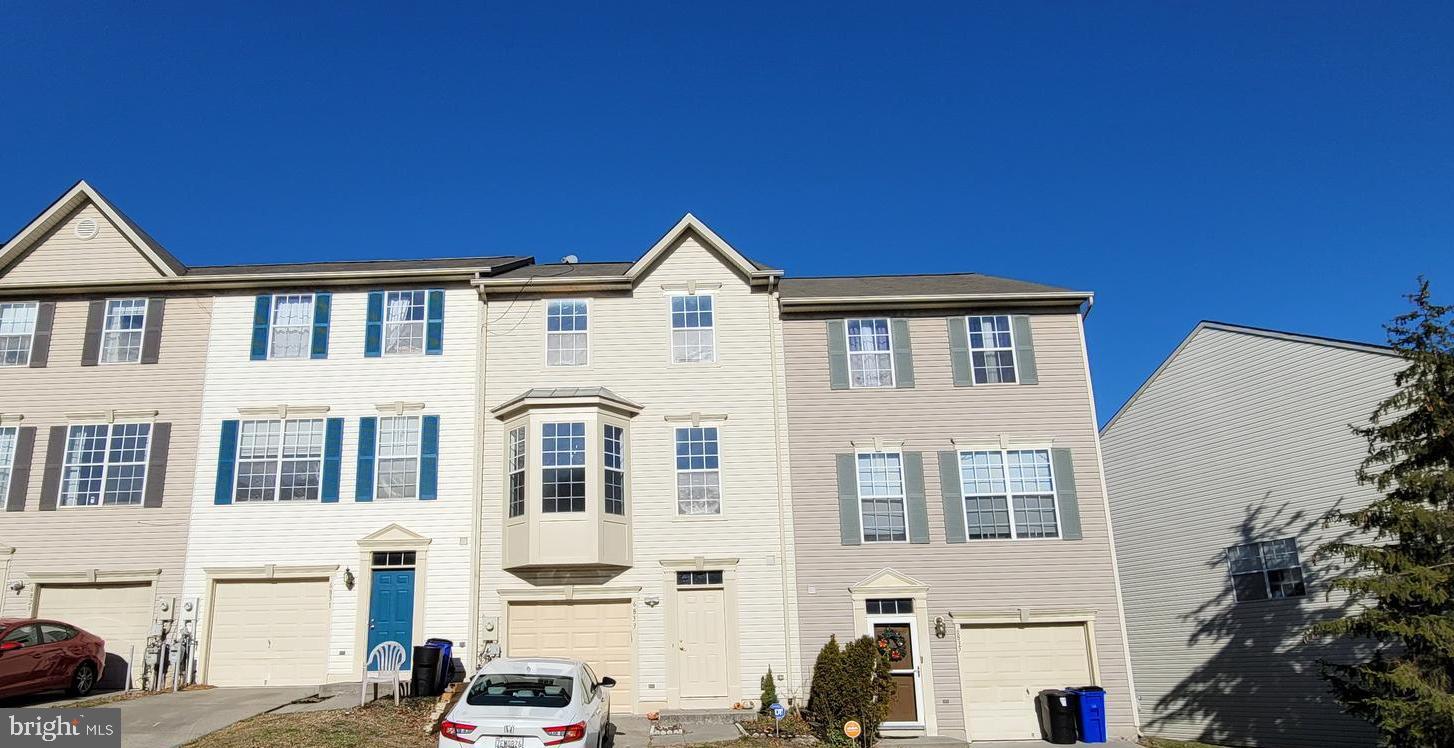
507,689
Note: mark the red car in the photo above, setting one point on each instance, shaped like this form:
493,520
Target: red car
39,655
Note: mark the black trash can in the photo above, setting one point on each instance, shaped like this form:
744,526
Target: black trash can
1058,713
446,661
425,679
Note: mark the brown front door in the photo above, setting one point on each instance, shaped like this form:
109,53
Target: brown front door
896,640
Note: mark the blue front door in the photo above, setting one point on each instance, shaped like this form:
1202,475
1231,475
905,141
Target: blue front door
391,610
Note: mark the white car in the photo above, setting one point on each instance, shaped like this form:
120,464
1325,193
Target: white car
531,703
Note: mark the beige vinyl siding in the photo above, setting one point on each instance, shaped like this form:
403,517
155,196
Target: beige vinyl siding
983,576
60,257
1239,438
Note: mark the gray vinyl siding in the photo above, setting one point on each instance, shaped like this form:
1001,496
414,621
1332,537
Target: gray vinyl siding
979,576
1240,437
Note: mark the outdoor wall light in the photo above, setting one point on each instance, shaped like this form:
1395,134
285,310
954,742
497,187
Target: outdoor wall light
652,602
939,626
17,586
348,578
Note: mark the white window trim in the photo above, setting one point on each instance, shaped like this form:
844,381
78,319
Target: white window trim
524,471
105,467
10,468
278,482
893,365
384,324
903,497
1014,354
671,356
378,474
721,483
105,317
607,469
541,467
30,350
1008,494
549,332
1266,580
273,326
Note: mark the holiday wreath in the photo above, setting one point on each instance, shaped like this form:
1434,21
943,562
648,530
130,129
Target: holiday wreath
891,645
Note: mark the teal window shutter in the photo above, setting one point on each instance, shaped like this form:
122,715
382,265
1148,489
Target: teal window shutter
1067,506
850,528
368,442
332,459
959,364
262,316
374,326
322,312
226,463
429,458
953,495
837,355
1025,371
434,324
915,507
903,355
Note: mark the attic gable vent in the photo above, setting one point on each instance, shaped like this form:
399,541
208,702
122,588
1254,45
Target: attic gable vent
86,229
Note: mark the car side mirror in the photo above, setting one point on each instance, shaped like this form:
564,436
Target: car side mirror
12,646
608,682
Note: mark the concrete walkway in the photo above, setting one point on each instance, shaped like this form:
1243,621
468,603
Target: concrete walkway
168,720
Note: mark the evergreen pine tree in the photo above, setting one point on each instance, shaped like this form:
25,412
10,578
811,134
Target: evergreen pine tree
871,684
825,703
1400,571
769,692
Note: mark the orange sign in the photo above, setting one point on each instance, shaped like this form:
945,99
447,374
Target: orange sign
852,729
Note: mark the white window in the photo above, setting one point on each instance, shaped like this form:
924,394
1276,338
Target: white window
1267,570
17,332
280,460
9,435
1008,494
292,327
563,467
516,469
693,336
567,325
615,467
992,349
881,497
121,333
870,353
105,464
398,458
699,474
404,322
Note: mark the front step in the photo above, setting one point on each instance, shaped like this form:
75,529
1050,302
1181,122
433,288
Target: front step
705,716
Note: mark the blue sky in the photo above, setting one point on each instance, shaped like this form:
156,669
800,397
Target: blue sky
1286,165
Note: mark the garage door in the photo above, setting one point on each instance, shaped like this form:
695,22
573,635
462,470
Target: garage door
598,633
272,633
1001,668
118,613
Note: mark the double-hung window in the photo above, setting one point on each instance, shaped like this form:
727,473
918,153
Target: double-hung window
404,316
563,467
516,469
992,349
9,435
1008,494
292,326
614,452
1266,570
122,331
693,334
17,331
699,473
567,325
870,353
280,460
398,458
881,497
105,464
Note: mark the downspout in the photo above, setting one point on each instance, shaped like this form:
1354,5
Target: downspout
784,474
477,482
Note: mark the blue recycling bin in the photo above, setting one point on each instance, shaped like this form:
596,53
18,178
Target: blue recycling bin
1092,713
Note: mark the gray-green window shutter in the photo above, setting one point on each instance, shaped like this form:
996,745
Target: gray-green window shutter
91,341
1025,371
837,355
156,467
20,469
50,480
959,352
903,354
915,508
848,523
1066,504
951,491
45,316
151,337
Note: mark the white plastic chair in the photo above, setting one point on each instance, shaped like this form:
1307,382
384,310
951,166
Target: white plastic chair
384,664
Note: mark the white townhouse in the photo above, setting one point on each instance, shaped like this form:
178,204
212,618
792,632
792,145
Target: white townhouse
635,497
334,499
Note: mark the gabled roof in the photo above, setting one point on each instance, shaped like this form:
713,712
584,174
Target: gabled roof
917,291
67,203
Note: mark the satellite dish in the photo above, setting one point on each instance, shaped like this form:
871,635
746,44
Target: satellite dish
570,259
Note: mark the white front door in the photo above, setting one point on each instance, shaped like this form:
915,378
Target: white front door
898,637
701,619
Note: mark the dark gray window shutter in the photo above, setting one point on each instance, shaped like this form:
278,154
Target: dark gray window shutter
959,352
837,355
45,319
91,343
903,353
916,509
20,469
50,480
156,464
849,526
1024,350
151,338
952,493
1066,504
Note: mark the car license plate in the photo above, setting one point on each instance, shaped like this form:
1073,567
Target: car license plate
509,742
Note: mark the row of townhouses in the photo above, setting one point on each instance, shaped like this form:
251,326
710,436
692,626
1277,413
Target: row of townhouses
684,468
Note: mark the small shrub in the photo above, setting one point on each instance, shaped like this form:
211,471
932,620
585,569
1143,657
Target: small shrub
849,683
769,693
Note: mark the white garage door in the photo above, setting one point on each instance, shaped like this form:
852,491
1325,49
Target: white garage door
272,633
118,613
598,633
1002,668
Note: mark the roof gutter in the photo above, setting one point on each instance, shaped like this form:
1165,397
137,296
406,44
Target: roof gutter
934,301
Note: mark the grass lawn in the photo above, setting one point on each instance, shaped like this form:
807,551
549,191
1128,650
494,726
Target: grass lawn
378,725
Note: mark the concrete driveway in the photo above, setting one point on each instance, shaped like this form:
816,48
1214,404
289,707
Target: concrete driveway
167,720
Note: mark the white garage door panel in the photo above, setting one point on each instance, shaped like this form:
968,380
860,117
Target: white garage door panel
118,613
1002,668
272,633
599,633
